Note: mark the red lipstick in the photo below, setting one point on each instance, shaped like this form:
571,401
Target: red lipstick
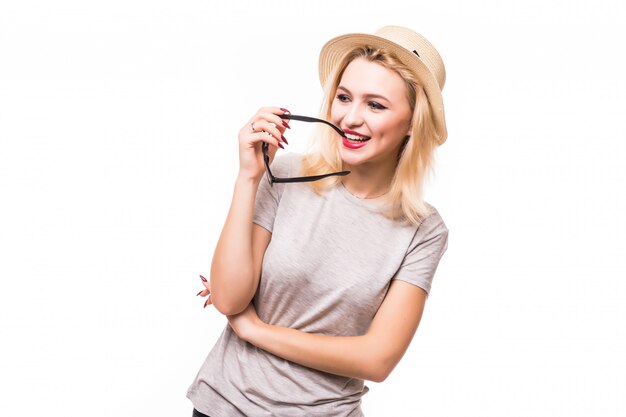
354,144
352,132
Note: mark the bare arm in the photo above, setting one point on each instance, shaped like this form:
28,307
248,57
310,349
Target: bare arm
236,264
372,356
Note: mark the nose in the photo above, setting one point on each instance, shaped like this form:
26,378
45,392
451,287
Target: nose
353,116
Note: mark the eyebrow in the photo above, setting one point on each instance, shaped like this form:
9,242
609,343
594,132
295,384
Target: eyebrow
370,95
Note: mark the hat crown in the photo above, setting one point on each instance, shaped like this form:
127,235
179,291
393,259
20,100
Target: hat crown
419,45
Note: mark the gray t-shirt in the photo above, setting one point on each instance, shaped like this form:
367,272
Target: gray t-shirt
326,270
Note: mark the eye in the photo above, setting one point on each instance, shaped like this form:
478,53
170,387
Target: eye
376,106
343,98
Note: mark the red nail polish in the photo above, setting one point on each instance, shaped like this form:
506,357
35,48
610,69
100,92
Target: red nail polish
206,303
280,145
203,278
286,125
285,110
199,293
284,139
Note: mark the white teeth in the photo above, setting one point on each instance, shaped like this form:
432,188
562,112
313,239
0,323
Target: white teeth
356,138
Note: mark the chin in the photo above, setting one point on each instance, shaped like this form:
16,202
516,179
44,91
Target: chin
351,157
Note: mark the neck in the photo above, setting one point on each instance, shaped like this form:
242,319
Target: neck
368,182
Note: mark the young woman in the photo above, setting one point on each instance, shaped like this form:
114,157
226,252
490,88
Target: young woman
324,282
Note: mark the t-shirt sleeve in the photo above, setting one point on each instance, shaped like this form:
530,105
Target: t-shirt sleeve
268,197
423,255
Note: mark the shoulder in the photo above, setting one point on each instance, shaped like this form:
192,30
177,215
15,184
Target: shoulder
433,221
428,245
431,229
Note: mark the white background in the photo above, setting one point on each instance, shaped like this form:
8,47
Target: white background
118,126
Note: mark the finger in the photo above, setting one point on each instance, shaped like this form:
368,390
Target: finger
207,302
275,119
267,138
272,115
273,110
203,293
206,283
263,125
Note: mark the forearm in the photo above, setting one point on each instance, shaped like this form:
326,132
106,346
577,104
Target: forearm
233,281
351,356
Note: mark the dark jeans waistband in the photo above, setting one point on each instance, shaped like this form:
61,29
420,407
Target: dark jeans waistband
197,413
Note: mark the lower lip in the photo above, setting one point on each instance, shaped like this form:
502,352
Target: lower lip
353,145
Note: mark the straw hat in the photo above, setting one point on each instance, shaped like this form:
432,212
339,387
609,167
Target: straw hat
411,48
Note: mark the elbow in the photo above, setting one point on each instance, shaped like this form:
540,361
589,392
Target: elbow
379,374
228,308
230,300
233,295
380,367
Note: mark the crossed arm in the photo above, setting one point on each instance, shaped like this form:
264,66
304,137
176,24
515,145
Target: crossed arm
372,356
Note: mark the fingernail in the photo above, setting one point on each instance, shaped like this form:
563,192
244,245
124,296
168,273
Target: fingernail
280,145
284,139
206,303
286,125
199,293
203,278
285,110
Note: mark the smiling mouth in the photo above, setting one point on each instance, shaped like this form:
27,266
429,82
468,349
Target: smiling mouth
356,138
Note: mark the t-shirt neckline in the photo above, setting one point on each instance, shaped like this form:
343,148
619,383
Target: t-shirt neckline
370,204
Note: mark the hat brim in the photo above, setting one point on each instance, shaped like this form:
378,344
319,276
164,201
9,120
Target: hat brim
335,49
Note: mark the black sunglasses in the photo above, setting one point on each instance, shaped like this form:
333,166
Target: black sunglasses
272,179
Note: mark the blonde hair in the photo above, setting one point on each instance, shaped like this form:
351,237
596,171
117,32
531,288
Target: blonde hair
404,200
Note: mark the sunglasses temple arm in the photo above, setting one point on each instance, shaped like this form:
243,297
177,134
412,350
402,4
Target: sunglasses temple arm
264,148
312,119
311,178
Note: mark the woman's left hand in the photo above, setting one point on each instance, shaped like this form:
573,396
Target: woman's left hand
206,292
245,323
